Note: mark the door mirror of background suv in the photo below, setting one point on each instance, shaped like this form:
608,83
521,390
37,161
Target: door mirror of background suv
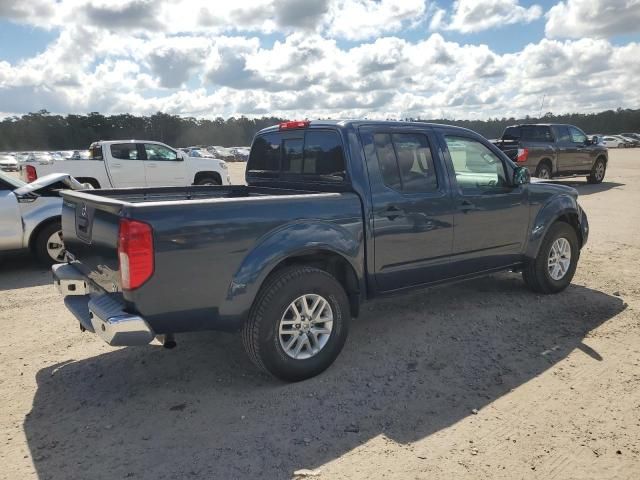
521,176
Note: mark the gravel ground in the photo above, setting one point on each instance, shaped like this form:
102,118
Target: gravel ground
479,380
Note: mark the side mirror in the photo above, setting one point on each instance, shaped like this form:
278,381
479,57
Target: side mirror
594,140
181,156
521,176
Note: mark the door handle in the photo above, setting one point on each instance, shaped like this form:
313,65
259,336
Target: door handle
152,165
116,165
392,212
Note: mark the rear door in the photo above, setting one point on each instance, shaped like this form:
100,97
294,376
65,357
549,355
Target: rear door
163,166
412,207
492,216
126,165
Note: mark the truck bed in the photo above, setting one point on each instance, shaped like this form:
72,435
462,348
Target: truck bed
206,241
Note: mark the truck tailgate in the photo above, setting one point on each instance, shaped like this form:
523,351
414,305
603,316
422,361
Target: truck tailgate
90,231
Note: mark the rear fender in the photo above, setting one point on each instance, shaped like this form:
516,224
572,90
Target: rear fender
290,240
559,206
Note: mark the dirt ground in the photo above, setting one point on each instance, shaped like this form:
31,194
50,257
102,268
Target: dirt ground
479,380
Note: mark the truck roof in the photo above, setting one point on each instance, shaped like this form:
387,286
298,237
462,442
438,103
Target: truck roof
362,122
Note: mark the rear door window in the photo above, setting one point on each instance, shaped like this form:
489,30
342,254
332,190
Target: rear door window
124,151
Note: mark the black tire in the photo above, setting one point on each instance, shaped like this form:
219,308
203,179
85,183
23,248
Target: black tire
260,333
536,273
544,171
597,175
208,181
41,241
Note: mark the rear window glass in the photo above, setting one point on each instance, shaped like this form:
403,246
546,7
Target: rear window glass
536,133
562,134
124,151
314,153
265,154
511,133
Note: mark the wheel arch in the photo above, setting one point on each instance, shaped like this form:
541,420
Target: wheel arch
38,228
324,245
561,209
206,174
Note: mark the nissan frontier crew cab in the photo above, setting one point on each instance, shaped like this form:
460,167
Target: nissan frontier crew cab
334,213
555,150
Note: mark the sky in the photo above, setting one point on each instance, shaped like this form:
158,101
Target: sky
465,59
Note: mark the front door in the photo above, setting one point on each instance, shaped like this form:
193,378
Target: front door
579,139
412,209
492,216
163,166
568,159
125,165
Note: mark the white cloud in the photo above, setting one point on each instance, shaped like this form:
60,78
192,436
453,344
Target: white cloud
476,15
93,66
593,18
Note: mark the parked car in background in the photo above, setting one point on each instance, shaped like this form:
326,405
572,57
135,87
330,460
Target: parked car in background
635,136
555,150
135,163
30,215
221,152
610,141
200,153
241,154
631,141
8,163
333,213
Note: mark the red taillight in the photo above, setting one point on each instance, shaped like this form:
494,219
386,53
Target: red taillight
31,173
135,253
523,154
294,124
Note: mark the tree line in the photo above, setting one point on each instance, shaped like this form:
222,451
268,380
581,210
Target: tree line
44,131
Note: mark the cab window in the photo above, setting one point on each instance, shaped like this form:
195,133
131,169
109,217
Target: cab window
124,151
477,168
159,152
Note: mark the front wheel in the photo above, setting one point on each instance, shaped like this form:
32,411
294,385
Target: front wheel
298,324
49,245
553,269
597,171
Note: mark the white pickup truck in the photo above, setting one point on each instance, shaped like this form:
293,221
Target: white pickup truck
134,163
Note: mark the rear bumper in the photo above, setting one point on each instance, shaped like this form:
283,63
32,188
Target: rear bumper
100,312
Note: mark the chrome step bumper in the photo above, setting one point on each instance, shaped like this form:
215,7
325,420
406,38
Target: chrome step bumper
100,313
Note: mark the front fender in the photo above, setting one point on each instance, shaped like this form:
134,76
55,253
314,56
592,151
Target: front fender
290,240
559,206
42,210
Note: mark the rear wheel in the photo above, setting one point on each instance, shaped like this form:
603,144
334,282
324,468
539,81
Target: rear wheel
49,244
553,269
298,324
597,171
543,171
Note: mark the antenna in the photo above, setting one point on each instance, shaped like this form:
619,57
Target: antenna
541,105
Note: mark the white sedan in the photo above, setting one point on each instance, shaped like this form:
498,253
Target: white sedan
612,142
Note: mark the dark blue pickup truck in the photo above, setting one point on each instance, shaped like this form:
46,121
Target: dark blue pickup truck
333,213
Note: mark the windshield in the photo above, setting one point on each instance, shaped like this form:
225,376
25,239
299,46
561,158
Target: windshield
13,181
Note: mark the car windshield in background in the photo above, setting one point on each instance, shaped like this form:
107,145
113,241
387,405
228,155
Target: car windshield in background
316,153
